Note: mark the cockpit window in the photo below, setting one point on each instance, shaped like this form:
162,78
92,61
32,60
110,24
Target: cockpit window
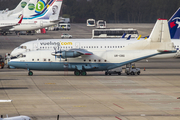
21,56
22,47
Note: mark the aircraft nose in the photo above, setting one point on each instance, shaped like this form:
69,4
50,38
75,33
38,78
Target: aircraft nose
17,51
14,52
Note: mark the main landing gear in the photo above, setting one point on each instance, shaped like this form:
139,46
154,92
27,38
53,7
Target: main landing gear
30,73
78,73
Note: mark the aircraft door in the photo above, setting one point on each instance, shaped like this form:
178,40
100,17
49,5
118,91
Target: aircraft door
78,45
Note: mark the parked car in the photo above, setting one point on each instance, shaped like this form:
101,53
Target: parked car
65,35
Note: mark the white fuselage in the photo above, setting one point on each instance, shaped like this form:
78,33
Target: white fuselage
28,25
88,44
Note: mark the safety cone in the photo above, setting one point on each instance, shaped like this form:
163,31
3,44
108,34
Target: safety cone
144,69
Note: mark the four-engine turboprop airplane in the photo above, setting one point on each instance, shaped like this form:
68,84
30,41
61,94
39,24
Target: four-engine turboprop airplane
85,59
47,17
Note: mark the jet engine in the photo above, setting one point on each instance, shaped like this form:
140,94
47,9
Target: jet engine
66,54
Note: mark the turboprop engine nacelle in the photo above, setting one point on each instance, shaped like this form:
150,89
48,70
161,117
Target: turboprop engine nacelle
66,54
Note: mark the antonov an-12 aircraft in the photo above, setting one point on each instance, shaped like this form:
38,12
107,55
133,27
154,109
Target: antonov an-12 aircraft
93,57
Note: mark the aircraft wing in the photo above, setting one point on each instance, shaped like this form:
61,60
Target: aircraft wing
82,51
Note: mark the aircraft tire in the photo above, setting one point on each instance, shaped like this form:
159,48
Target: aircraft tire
138,73
83,73
77,73
132,73
30,73
119,73
106,73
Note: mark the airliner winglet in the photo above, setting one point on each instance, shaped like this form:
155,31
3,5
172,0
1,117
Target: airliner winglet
20,20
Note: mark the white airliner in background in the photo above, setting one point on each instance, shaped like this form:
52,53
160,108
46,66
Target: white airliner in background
9,24
17,118
47,17
82,56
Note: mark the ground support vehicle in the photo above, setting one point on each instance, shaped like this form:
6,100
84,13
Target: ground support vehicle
132,70
65,35
114,71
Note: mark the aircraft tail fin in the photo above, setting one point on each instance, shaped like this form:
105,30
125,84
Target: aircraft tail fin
124,35
129,37
51,11
33,7
19,7
174,25
159,39
160,32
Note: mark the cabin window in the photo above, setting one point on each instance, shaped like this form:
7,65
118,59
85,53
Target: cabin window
32,59
84,60
104,46
94,46
99,60
94,60
89,60
44,60
101,46
37,59
49,60
105,60
97,46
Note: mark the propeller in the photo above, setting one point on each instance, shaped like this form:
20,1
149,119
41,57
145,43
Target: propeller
57,117
58,50
55,52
